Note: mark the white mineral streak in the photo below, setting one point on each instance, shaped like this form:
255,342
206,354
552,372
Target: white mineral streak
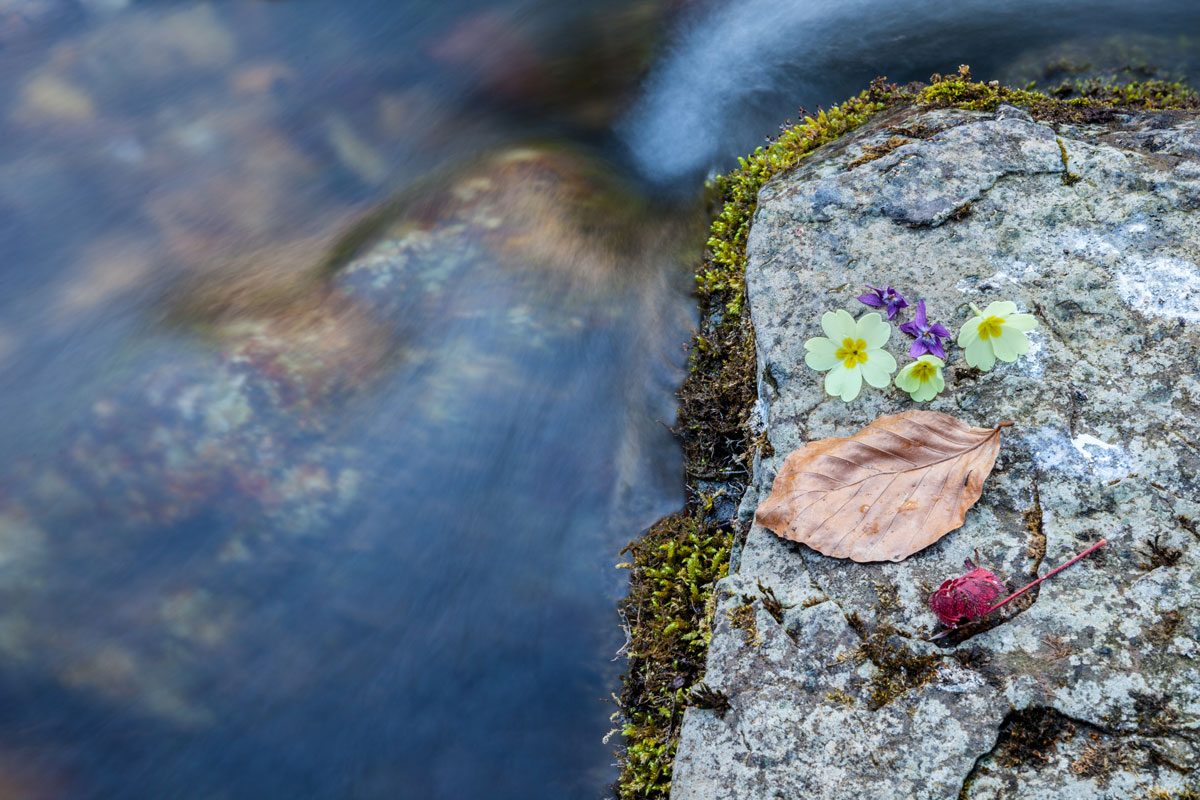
1162,287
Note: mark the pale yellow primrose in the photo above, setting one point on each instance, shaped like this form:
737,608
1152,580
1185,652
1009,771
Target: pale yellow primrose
852,352
922,379
996,332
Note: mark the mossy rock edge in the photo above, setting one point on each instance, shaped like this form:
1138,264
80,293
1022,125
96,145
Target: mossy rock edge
676,564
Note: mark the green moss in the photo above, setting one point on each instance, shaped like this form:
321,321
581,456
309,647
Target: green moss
669,608
723,274
743,618
669,612
1150,95
1187,793
673,569
897,668
1031,736
1069,178
1091,101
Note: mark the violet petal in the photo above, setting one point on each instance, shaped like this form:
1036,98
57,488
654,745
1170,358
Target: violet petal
920,319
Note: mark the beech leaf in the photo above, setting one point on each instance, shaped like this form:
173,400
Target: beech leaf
893,488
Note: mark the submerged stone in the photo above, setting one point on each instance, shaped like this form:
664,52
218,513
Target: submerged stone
238,444
1094,695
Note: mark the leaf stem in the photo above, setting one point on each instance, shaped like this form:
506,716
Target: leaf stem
1049,574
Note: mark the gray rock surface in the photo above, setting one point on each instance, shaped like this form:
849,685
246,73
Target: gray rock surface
1091,690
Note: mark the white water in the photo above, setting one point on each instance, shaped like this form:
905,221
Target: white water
743,66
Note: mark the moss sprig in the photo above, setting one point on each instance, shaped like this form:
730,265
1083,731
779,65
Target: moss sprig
673,570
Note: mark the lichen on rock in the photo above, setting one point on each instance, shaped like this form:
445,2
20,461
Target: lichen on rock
846,695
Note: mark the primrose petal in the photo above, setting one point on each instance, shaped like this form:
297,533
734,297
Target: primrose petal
979,354
924,393
884,359
1000,308
821,355
874,330
876,372
852,385
906,381
839,325
1013,339
968,334
835,379
1022,322
1003,347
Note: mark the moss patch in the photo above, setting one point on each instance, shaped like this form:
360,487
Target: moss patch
1100,758
1088,102
1031,736
742,617
669,608
876,151
1069,178
669,622
673,569
1187,793
897,668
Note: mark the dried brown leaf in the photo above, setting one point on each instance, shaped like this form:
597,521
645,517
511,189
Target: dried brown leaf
893,488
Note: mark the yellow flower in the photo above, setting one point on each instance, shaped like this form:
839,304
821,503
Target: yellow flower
922,379
996,332
851,353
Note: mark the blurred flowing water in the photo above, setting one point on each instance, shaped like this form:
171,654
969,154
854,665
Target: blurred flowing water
338,345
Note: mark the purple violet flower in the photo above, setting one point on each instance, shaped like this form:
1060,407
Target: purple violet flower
928,337
884,297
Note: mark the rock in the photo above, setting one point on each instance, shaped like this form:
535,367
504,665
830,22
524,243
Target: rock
1092,690
294,405
29,21
50,99
145,50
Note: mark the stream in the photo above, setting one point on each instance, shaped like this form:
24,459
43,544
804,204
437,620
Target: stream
338,349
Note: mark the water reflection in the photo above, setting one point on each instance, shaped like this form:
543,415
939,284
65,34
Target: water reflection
362,524
315,476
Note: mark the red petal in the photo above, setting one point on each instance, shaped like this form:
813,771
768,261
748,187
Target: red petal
965,598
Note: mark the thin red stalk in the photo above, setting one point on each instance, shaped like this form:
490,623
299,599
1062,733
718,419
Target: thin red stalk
1049,574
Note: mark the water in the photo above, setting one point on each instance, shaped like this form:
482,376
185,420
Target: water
280,517
738,71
